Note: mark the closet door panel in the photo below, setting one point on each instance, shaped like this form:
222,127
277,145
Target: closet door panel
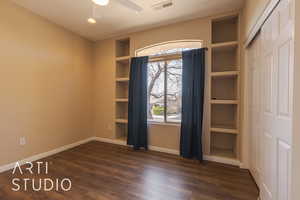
268,181
270,59
284,160
283,80
255,93
284,69
277,110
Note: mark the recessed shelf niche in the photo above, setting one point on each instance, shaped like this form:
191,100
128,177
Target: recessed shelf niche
121,110
225,29
123,47
224,88
225,59
223,145
122,90
121,131
224,116
122,68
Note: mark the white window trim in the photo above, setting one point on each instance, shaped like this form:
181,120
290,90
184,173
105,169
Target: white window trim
153,122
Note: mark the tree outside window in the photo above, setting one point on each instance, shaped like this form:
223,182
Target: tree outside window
165,80
164,91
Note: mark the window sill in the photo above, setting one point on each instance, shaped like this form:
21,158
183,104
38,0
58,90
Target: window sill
164,123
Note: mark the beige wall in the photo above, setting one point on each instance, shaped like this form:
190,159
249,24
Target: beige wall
253,9
51,94
164,136
45,84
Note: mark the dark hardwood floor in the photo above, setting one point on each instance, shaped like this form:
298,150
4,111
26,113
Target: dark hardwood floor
101,171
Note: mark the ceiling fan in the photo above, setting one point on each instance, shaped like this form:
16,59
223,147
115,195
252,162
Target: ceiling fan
126,3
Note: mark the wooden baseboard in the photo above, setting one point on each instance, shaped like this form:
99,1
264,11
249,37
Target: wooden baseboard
218,159
44,155
152,148
174,152
111,141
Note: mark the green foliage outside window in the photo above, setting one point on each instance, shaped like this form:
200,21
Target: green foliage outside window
158,110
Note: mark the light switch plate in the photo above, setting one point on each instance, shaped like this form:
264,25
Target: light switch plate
22,141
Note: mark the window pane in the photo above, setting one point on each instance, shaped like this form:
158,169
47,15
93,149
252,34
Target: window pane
174,90
169,48
156,95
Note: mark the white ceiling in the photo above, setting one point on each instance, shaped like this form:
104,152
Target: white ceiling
115,19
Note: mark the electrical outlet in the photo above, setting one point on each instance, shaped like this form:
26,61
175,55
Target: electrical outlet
22,141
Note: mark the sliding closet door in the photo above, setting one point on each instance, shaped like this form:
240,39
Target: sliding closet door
277,73
270,60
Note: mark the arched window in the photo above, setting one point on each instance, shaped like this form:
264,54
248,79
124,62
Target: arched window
170,47
165,79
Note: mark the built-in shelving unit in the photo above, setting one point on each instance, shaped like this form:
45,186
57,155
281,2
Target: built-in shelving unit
122,82
224,88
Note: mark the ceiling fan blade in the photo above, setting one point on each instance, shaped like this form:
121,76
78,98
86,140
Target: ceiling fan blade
131,5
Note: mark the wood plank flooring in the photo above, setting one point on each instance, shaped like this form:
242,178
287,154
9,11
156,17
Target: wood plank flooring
101,171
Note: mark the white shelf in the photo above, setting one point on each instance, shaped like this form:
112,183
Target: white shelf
225,45
121,121
122,79
122,139
123,58
224,160
229,102
224,74
225,153
224,130
122,100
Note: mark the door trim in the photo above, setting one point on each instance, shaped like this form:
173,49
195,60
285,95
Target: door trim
260,22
